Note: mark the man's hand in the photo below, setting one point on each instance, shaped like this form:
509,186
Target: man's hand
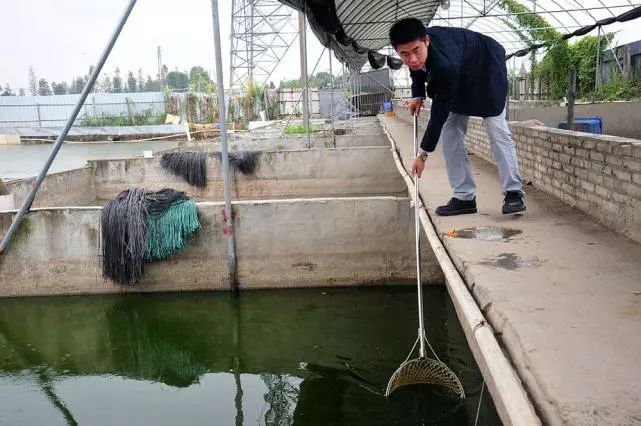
417,167
415,106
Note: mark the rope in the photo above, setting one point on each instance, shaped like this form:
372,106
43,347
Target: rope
478,408
133,140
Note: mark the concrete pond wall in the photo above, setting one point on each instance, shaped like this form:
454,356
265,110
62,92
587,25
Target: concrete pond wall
301,173
598,174
279,243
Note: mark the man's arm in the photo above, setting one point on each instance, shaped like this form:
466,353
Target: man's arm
445,89
418,84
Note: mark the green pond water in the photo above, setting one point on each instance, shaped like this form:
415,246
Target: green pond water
282,357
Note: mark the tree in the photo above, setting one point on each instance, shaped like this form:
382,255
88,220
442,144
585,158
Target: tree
77,84
21,92
141,81
117,81
43,87
322,79
290,84
132,83
33,82
107,84
198,78
60,89
151,85
177,80
7,91
271,85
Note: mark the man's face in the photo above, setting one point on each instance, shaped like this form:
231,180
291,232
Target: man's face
414,53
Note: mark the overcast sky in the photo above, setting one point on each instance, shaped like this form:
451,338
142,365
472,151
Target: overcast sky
62,38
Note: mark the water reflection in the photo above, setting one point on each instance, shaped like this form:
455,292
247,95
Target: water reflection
295,357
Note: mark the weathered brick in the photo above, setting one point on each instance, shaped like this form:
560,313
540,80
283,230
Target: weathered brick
565,158
636,178
631,189
596,156
579,162
587,186
623,175
604,147
594,199
609,182
632,164
588,144
613,160
596,178
610,207
557,147
583,153
601,191
626,150
581,173
620,198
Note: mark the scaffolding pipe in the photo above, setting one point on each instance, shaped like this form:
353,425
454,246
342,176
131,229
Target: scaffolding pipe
331,97
303,72
26,204
228,228
597,77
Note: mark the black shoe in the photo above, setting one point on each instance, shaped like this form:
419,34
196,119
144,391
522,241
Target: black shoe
456,206
513,202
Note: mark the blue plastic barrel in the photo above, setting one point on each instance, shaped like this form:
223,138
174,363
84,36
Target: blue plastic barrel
585,124
387,106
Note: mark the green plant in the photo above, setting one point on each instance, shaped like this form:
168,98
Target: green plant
298,129
254,96
142,118
617,89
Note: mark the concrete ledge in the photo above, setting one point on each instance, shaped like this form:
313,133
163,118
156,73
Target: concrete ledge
70,188
279,243
301,173
9,140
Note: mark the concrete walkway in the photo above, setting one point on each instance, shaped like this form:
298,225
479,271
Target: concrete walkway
560,290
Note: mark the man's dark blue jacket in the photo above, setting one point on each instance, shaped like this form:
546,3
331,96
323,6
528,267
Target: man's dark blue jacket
465,73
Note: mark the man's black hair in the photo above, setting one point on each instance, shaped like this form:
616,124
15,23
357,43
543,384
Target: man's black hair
406,30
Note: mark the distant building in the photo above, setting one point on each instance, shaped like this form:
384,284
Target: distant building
629,56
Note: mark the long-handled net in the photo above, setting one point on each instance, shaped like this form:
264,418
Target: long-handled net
422,370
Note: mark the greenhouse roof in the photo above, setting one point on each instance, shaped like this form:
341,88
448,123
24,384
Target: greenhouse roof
354,29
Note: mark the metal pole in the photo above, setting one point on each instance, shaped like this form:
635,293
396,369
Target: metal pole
331,97
228,229
571,94
303,68
39,117
26,204
614,53
597,77
417,231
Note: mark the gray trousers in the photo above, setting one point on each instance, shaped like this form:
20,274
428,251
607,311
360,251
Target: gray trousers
459,171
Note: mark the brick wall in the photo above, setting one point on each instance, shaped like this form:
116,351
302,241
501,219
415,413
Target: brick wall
598,174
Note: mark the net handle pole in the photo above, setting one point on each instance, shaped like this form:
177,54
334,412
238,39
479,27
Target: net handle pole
26,204
417,229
